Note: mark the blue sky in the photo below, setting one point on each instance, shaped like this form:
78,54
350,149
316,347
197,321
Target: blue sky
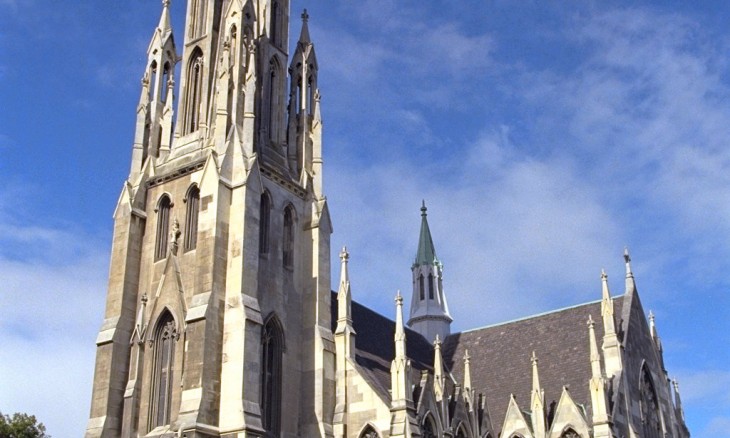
544,136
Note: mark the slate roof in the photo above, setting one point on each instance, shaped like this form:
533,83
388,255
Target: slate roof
500,358
500,355
375,348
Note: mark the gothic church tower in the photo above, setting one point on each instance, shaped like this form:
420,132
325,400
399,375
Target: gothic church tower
429,311
219,285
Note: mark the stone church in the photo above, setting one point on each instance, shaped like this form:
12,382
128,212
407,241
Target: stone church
220,318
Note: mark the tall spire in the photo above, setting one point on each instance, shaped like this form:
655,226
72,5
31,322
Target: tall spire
598,383
677,400
537,402
426,254
304,35
611,346
403,415
165,25
429,309
630,282
344,308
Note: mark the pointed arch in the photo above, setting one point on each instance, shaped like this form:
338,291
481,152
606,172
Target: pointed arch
288,237
193,94
369,431
569,432
272,95
428,427
192,199
430,286
166,78
164,204
272,350
651,419
264,222
461,431
163,360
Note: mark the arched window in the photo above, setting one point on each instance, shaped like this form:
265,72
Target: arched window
461,433
153,80
194,92
166,77
569,433
163,227
164,340
264,217
650,417
288,238
369,432
191,218
428,429
430,286
272,349
421,288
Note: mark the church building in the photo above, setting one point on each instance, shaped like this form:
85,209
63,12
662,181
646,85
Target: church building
221,319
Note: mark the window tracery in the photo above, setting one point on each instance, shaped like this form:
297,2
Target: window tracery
427,429
649,407
369,432
272,348
570,433
162,377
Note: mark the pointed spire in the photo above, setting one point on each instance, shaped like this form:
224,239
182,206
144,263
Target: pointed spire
677,400
595,356
609,323
426,254
597,387
304,35
400,333
538,402
630,282
344,297
438,370
467,371
654,332
165,25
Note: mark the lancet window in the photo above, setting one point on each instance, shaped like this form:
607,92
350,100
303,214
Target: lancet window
430,286
428,430
163,227
162,371
569,433
369,432
650,416
191,218
272,349
421,288
288,242
264,219
194,92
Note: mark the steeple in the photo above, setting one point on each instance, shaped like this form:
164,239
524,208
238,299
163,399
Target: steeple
537,402
611,345
429,309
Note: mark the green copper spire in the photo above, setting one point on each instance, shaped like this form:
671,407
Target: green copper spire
426,254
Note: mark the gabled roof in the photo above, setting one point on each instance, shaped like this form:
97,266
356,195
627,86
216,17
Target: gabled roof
500,358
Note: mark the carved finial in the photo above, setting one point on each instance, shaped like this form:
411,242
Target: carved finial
604,276
533,359
398,298
423,207
165,3
146,79
590,321
305,16
467,358
344,255
437,342
651,317
144,299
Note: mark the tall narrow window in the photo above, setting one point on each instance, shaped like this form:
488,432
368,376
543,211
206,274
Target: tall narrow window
162,374
421,288
194,92
191,218
165,81
163,227
430,286
264,217
649,407
272,348
153,80
272,96
288,238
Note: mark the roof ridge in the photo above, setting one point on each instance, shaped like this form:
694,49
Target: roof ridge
537,315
